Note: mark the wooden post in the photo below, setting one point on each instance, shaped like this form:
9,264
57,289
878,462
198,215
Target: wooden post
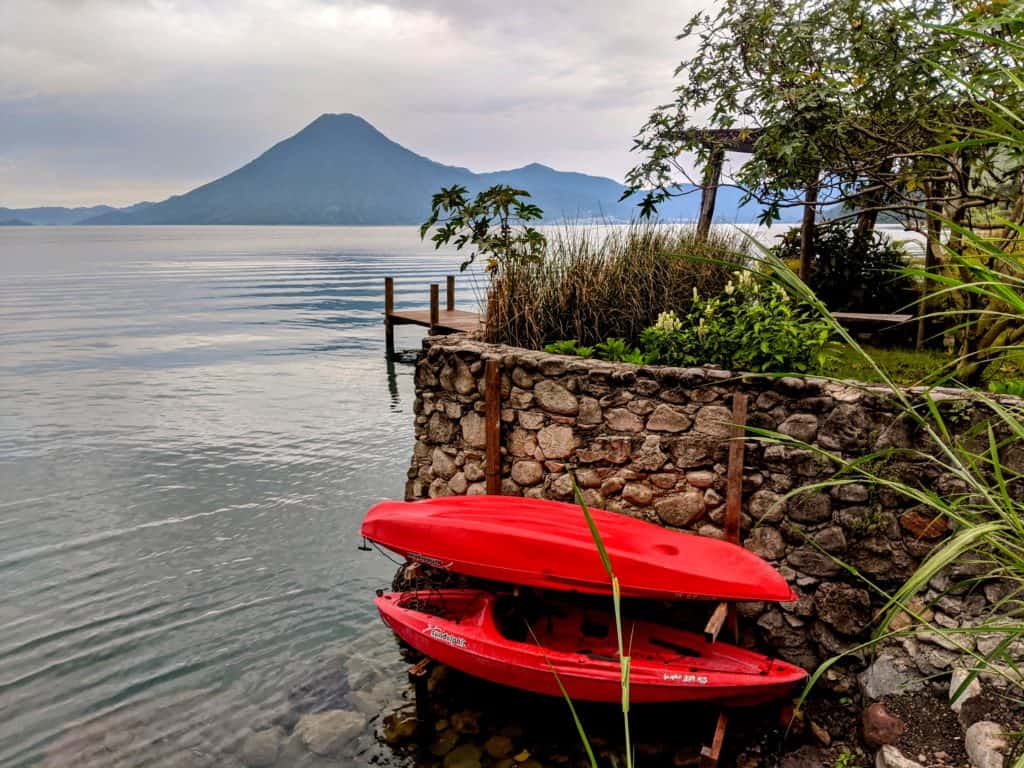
389,308
807,229
449,293
932,248
709,755
708,193
419,676
734,473
492,426
714,625
435,301
734,487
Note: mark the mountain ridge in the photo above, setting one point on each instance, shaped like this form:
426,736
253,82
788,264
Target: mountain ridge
341,170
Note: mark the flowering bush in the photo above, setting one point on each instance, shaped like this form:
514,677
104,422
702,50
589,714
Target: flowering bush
749,326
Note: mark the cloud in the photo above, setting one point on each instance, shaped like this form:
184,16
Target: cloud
113,100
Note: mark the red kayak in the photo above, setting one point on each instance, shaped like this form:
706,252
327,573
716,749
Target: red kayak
547,544
486,635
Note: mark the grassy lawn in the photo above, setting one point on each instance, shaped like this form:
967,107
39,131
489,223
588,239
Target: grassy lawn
907,366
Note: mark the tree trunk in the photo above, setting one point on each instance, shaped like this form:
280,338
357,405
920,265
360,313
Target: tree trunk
807,230
932,251
867,220
712,178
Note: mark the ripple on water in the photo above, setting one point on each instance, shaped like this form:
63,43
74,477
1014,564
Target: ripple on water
192,423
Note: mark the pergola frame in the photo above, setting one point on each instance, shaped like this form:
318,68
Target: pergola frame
718,141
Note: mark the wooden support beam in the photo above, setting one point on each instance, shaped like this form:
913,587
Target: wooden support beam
716,622
435,306
709,755
492,426
708,193
734,487
449,293
734,473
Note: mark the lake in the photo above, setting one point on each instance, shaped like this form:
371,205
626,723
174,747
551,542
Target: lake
193,422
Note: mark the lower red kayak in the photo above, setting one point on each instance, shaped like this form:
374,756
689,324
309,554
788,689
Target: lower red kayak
486,635
548,544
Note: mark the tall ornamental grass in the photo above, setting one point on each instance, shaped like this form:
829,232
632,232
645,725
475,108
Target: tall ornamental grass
982,452
596,283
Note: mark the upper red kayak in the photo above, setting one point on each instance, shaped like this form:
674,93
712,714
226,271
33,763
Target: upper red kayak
547,544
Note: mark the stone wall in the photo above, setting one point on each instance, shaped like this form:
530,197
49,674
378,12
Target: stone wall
652,442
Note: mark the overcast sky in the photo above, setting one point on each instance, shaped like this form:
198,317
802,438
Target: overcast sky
116,101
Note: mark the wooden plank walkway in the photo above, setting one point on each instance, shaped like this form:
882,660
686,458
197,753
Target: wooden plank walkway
449,320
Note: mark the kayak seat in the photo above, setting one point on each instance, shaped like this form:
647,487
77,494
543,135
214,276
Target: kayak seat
682,650
594,628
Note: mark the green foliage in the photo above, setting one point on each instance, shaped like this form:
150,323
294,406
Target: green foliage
852,94
749,326
568,347
853,270
563,347
846,759
597,283
1013,387
494,223
619,351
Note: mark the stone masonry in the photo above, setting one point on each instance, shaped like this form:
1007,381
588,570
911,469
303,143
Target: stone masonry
652,442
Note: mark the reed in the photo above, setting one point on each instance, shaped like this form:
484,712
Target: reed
624,658
595,283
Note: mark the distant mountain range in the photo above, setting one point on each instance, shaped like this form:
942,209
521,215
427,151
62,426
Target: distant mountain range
341,170
56,216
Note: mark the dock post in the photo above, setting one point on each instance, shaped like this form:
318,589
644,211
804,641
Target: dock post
419,676
389,308
492,427
435,301
449,293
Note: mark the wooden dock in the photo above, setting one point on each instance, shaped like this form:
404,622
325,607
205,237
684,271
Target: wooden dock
438,321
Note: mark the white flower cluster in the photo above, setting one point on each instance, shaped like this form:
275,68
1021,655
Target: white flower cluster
669,322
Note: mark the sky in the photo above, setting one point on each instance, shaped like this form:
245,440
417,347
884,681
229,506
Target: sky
118,101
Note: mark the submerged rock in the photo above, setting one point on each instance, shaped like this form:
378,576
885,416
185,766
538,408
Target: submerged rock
260,749
465,756
326,733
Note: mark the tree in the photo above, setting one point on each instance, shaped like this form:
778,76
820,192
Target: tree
494,223
849,99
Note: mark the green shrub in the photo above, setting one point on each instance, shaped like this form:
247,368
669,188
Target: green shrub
853,272
597,283
495,223
750,326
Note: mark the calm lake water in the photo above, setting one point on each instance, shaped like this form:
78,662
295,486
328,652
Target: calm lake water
192,423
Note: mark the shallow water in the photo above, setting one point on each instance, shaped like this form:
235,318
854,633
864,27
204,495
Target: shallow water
192,423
